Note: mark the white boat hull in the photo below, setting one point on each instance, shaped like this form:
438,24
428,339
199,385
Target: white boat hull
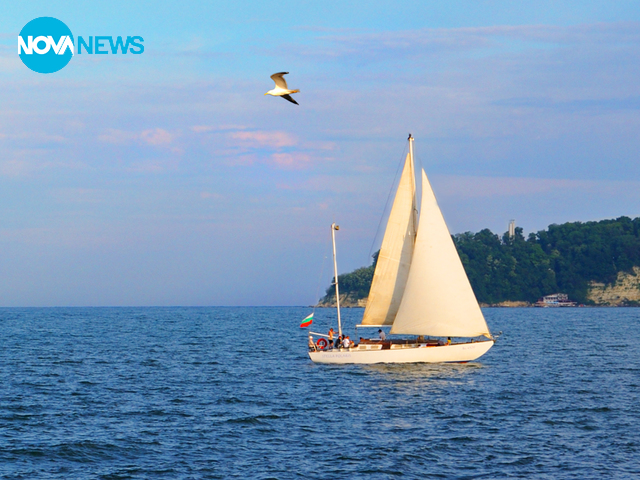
459,352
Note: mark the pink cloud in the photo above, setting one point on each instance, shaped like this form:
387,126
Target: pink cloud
274,139
291,161
216,128
157,137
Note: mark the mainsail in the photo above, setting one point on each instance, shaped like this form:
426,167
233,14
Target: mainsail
438,299
394,259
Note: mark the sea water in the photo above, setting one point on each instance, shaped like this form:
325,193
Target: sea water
189,393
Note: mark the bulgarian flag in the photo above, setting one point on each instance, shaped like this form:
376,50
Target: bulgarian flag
307,321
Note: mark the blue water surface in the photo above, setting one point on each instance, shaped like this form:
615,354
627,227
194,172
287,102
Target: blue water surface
190,393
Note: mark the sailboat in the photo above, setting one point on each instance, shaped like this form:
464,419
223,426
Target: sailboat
419,289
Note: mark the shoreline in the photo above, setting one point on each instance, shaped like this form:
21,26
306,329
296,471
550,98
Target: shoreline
496,305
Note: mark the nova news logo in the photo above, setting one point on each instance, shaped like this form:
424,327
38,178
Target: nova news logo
46,45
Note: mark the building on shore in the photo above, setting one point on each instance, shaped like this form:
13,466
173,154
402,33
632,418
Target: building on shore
555,300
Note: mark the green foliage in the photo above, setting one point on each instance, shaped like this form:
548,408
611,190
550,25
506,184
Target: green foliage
597,251
507,268
563,258
356,283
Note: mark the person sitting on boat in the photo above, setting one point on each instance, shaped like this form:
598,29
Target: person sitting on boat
338,343
346,343
312,346
381,334
448,340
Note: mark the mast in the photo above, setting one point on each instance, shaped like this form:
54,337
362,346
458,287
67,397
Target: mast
335,227
414,211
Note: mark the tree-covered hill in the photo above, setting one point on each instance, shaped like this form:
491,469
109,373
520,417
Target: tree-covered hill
563,258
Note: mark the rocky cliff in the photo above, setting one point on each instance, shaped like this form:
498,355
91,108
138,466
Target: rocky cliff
346,300
624,292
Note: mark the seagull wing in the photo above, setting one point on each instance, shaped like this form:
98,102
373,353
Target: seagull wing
279,79
288,97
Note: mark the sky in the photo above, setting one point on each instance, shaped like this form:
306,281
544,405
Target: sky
168,178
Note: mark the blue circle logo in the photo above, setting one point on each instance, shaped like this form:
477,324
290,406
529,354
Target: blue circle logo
45,45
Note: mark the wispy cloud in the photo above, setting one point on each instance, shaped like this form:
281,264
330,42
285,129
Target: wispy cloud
243,145
155,137
152,166
9,61
27,162
329,183
597,104
118,137
473,187
15,168
216,128
293,161
34,138
429,41
271,139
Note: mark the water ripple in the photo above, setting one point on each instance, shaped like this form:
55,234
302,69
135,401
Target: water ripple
189,393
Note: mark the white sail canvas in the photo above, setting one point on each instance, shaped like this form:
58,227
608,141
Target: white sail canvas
394,259
438,299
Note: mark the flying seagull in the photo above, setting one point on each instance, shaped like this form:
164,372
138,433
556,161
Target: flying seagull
281,89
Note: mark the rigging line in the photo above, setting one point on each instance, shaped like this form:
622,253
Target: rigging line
400,164
418,161
418,175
